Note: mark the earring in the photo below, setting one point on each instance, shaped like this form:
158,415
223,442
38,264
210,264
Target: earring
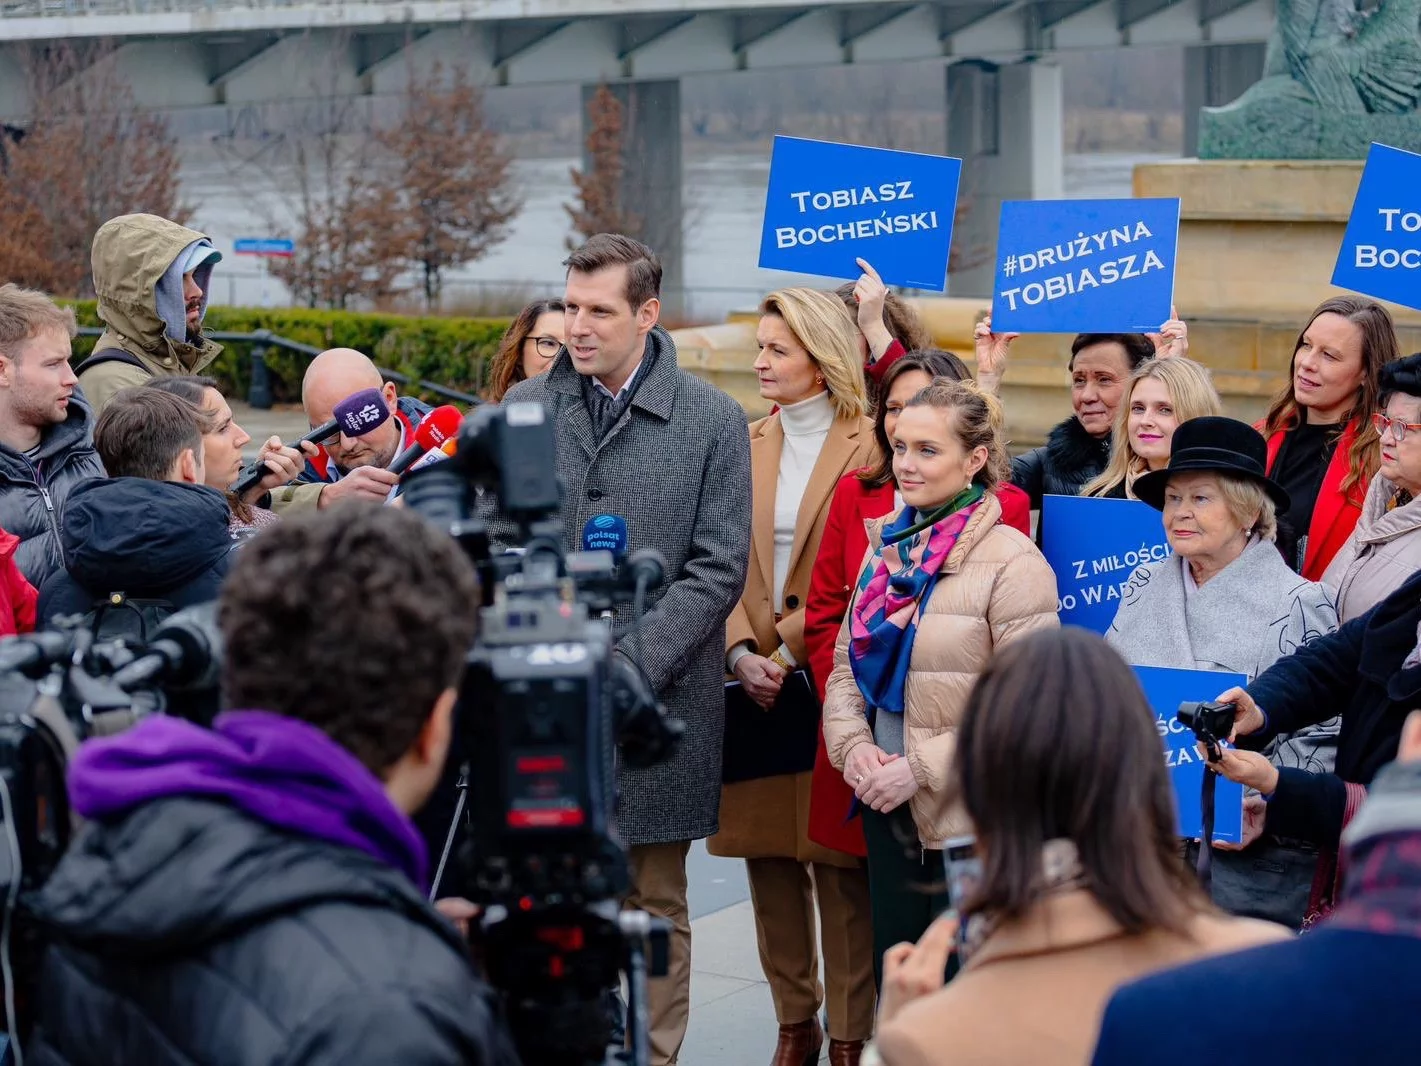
818,379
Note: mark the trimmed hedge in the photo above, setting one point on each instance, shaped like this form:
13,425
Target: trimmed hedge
454,352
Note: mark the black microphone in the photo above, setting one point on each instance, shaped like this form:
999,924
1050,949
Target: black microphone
252,476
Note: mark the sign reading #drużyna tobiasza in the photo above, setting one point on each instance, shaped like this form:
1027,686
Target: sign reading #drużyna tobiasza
1381,249
1085,266
829,204
1093,545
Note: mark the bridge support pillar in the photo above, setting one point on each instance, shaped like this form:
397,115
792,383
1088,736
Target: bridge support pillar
1005,124
1214,75
651,174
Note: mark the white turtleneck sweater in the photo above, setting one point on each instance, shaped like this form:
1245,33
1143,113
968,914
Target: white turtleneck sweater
806,427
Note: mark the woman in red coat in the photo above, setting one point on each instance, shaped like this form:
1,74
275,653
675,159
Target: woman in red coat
888,328
859,496
1322,447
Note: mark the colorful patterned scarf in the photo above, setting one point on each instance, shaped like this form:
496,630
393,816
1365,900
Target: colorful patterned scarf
892,591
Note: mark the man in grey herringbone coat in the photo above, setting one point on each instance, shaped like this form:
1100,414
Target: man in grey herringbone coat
640,438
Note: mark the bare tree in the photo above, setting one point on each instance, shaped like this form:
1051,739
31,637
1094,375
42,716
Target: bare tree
599,207
316,181
87,154
450,177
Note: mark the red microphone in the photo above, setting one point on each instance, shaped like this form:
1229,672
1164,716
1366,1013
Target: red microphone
438,426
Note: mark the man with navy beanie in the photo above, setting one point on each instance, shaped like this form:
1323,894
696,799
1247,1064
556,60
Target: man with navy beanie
153,278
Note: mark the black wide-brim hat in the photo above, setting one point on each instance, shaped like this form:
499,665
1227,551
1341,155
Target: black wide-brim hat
1213,445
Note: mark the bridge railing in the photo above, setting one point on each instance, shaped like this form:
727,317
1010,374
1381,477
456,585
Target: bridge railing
67,8
261,341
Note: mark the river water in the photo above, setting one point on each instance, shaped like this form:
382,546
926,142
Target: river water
724,196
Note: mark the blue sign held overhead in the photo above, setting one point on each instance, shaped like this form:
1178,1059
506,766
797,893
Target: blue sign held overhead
277,246
1094,545
1166,690
1085,266
829,204
1381,250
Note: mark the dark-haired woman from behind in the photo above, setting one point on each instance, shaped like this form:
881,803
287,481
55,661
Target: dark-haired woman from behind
860,496
528,348
1322,446
1081,887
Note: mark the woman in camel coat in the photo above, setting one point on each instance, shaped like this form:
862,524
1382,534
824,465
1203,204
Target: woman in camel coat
810,368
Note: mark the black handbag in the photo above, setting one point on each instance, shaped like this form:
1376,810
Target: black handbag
760,743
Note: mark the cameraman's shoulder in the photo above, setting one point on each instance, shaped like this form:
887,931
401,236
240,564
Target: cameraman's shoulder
380,1022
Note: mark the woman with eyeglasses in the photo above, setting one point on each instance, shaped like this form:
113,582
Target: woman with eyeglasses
1385,548
1322,447
528,348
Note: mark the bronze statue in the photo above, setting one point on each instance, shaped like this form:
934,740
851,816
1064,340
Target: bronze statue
1339,75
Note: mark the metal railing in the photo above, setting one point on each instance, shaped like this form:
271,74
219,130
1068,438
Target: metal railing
76,8
259,391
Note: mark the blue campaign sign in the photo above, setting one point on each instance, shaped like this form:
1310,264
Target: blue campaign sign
1085,266
1094,545
278,246
1166,690
829,204
1381,250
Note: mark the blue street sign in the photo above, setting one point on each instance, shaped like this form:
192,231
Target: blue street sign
829,204
1085,266
264,246
1381,250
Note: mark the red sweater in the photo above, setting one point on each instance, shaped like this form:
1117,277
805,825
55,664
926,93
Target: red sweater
891,355
831,586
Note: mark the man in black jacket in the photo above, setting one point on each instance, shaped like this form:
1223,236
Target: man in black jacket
253,894
46,427
153,531
1370,671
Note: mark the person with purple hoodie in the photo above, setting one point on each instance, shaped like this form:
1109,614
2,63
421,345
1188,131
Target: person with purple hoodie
254,893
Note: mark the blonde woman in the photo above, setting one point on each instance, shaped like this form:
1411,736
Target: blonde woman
1163,392
809,367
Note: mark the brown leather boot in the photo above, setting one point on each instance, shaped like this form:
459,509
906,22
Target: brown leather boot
799,1044
845,1052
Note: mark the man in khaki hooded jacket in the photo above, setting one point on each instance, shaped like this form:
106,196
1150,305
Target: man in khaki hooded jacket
152,278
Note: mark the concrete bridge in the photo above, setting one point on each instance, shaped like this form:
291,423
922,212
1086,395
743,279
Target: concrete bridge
1002,93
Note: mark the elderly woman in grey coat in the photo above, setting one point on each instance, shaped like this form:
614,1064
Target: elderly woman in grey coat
1385,548
1227,601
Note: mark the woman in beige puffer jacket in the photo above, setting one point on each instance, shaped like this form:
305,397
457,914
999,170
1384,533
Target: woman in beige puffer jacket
993,587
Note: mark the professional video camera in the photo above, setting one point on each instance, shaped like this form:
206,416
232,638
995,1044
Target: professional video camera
58,688
546,705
